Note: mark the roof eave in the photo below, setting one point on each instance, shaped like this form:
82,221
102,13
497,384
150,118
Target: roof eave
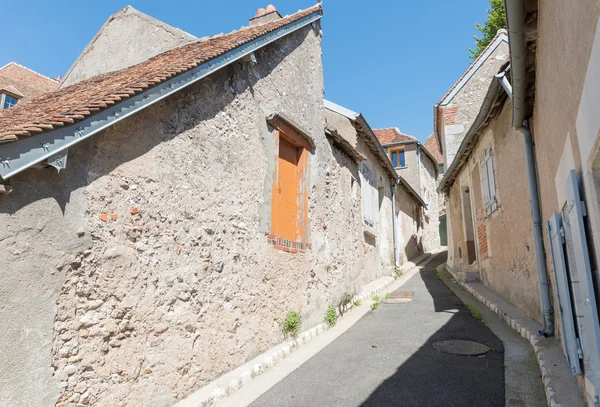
494,92
22,154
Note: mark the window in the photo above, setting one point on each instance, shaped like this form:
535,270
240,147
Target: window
489,182
397,158
7,101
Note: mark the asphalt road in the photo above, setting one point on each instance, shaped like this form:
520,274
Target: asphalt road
387,358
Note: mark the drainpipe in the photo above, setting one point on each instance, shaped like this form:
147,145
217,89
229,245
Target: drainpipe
515,23
394,184
540,258
419,169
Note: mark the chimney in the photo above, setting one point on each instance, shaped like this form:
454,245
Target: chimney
265,15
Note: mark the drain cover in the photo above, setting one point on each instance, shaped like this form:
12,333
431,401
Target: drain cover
397,300
460,347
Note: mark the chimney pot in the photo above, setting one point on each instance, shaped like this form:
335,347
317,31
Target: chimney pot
265,15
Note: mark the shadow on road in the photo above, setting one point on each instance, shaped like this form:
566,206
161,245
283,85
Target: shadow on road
431,378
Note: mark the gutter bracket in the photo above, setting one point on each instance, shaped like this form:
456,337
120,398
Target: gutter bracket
59,160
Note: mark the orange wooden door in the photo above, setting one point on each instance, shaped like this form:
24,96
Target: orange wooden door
285,192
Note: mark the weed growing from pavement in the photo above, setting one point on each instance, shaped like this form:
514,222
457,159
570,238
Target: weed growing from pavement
357,303
331,316
376,300
475,314
388,295
291,324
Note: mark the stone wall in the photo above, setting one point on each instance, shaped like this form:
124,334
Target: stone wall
127,38
142,271
431,215
458,115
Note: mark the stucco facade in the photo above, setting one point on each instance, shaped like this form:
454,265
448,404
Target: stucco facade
146,264
569,140
503,240
420,172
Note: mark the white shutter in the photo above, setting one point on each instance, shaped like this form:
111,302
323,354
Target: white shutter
367,194
489,181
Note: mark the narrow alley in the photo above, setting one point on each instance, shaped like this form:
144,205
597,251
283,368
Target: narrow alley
393,357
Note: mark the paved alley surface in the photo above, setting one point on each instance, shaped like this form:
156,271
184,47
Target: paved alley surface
387,358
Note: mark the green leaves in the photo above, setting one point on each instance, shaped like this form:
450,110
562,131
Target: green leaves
496,19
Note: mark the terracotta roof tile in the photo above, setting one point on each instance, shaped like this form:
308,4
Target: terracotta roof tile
28,83
431,144
392,135
74,103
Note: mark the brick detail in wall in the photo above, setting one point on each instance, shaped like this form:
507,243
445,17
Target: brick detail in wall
288,245
450,115
482,235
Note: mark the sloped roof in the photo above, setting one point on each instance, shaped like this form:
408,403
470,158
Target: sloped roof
501,36
74,103
392,135
23,81
432,145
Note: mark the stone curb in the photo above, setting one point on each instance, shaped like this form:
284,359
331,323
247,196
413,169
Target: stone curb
532,338
281,351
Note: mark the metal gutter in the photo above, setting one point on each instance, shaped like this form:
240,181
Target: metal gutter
515,22
20,155
473,68
395,227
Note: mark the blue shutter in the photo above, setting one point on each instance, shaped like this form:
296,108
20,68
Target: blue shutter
569,340
579,261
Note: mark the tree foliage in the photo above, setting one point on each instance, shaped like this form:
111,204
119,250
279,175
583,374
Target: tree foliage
496,19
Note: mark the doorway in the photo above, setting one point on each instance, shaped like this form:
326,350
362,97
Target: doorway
468,224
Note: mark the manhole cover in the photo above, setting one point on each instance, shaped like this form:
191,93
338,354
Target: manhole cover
460,347
397,300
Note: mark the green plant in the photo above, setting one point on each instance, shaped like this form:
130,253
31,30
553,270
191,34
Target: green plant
496,19
291,324
357,303
475,314
376,300
388,295
331,316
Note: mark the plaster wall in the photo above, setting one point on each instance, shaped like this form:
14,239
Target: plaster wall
460,112
142,271
565,126
128,37
411,172
504,239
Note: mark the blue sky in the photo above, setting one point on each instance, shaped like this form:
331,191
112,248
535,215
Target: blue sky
389,59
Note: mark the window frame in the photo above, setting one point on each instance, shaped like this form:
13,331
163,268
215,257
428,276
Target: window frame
398,150
488,176
3,100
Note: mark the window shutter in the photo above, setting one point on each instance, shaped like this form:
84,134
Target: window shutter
581,275
565,307
489,182
367,195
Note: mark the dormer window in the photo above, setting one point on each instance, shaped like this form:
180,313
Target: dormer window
7,100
